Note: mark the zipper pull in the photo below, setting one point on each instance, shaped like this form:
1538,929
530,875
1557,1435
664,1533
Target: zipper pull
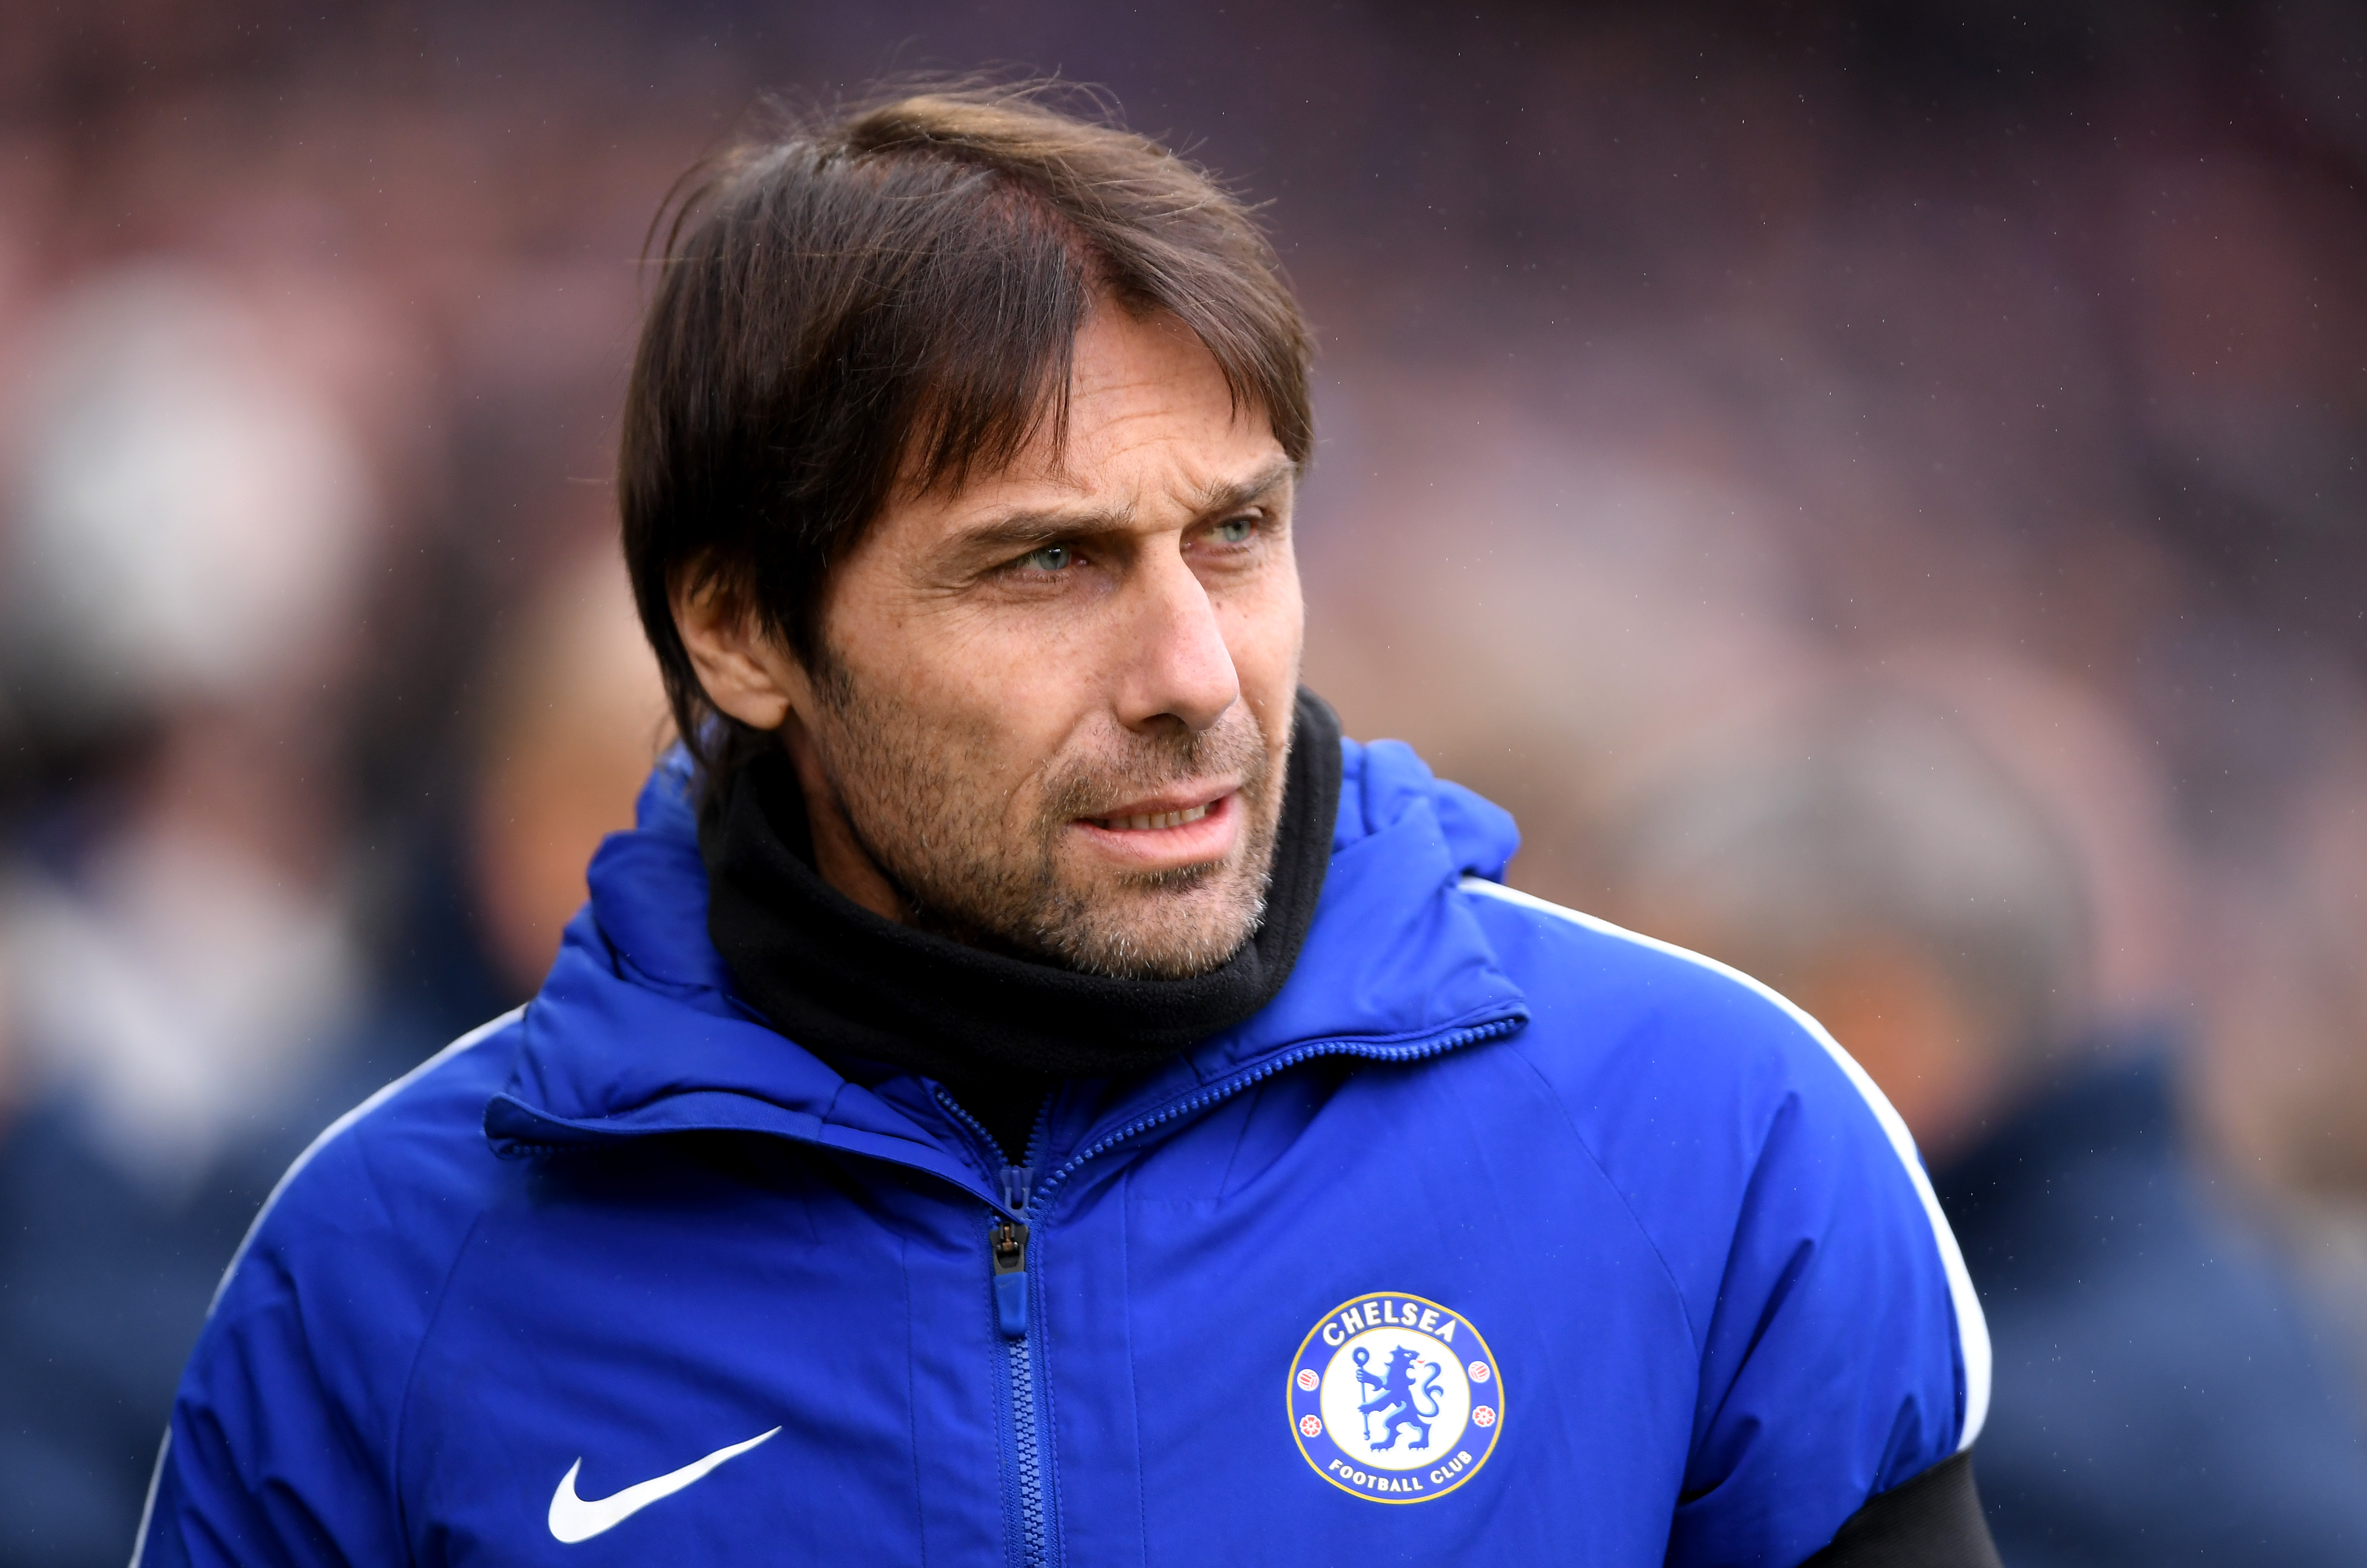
1009,1240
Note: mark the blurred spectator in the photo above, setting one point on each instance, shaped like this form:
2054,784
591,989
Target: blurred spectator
2288,1030
575,720
2158,1396
182,990
1538,598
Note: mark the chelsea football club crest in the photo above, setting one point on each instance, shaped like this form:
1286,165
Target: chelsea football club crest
1396,1398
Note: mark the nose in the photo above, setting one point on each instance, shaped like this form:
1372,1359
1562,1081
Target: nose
1177,667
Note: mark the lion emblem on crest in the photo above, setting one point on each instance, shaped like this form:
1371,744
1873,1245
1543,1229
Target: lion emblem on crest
1397,1400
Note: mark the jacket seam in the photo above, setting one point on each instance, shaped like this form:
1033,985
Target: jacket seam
1055,1546
1240,1136
913,1401
1133,1367
1787,1281
1626,1205
411,1378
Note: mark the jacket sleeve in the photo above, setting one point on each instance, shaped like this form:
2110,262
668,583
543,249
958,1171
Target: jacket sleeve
1844,1355
261,1467
279,1450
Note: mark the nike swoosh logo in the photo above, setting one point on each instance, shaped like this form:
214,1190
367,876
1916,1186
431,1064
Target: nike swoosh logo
574,1519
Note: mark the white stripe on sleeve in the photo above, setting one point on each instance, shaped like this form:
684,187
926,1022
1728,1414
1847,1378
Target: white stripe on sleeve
329,1135
1972,1328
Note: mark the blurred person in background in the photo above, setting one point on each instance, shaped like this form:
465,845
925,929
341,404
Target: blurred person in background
2159,1397
189,988
2288,1028
573,717
188,515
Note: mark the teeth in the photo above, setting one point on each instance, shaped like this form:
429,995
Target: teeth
1157,819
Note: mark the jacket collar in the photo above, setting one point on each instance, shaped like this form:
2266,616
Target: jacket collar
637,1030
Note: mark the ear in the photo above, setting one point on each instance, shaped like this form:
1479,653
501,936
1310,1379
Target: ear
744,670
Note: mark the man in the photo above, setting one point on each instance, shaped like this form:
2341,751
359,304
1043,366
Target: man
1029,1091
2159,1396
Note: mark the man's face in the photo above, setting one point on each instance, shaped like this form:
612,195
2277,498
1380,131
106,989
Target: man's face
1056,703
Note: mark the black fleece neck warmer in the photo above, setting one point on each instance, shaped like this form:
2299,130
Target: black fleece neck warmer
997,1030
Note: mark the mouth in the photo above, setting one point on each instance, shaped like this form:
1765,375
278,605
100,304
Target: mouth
1168,832
1147,822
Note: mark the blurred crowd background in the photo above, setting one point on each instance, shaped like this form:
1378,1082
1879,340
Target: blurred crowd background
1877,488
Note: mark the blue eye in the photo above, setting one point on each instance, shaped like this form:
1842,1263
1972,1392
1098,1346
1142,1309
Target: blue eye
1236,530
1052,557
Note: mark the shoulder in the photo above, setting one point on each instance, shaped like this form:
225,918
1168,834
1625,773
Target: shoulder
380,1202
1635,1032
1731,1122
1605,997
284,1427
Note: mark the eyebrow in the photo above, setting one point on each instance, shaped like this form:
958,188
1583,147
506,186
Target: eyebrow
1018,530
1224,497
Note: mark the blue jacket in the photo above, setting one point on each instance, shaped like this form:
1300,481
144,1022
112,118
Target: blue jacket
1500,1234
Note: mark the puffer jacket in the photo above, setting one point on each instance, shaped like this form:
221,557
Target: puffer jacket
1501,1235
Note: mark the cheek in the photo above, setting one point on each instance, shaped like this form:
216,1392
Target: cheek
1264,629
994,701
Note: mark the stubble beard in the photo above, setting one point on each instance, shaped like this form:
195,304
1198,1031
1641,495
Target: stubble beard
912,797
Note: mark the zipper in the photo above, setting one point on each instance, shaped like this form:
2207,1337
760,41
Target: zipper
1010,1291
1024,1196
1229,1087
1007,1251
1009,1243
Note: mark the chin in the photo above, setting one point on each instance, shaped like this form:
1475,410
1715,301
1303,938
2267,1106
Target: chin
1160,933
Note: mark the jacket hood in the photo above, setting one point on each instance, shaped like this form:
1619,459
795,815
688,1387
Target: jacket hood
637,1030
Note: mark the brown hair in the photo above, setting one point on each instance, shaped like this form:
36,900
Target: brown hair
892,296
